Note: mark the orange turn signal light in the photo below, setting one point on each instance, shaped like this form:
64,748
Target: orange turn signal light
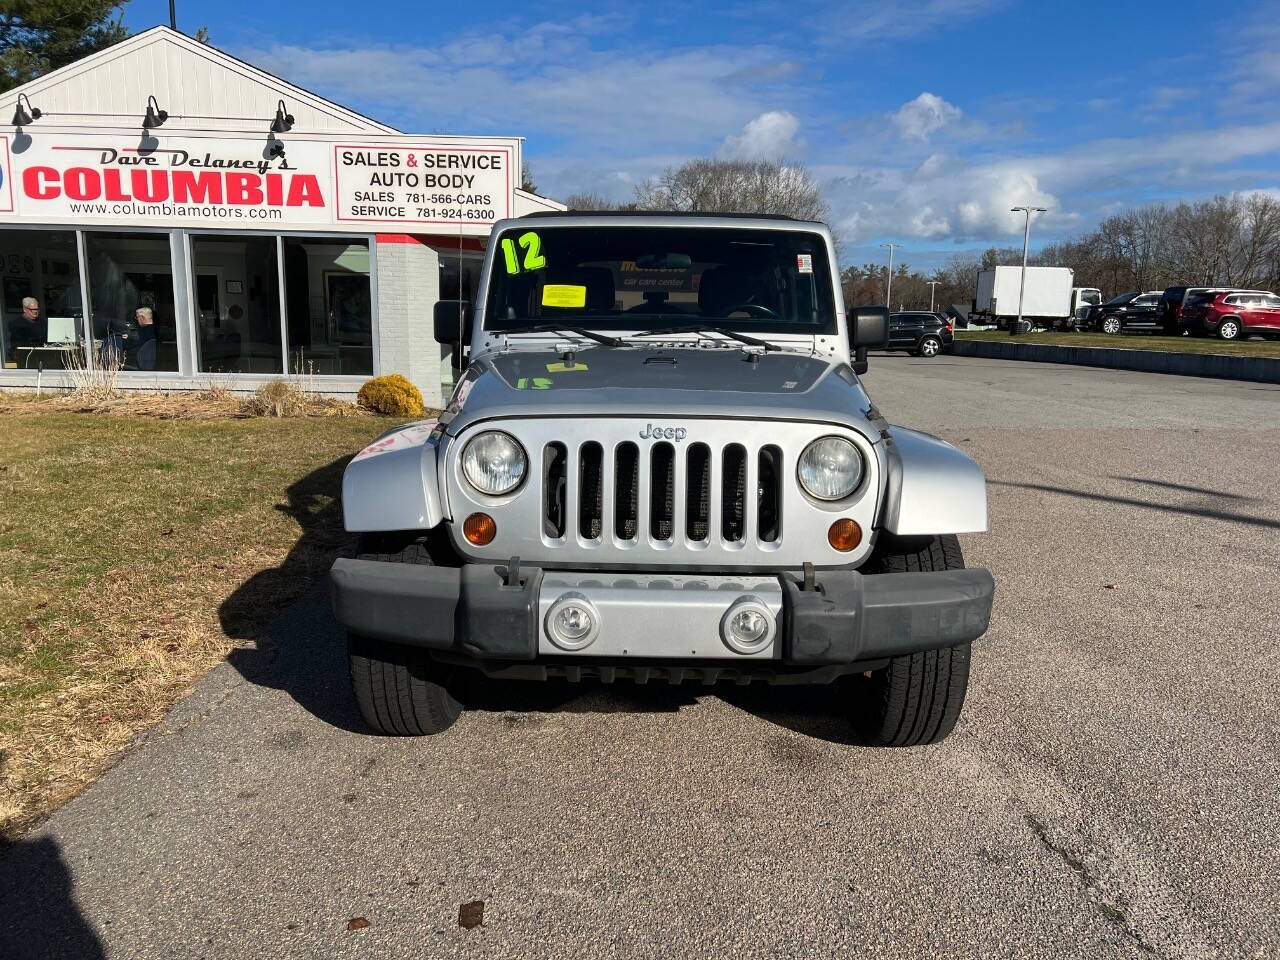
845,534
480,529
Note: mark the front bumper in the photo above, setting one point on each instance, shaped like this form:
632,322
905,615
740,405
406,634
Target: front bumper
484,614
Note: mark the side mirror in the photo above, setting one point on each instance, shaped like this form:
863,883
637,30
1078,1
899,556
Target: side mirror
452,322
868,327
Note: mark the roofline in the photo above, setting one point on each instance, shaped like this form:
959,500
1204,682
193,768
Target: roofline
673,214
162,32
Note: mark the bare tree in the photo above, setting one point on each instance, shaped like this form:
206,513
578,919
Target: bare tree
736,186
591,201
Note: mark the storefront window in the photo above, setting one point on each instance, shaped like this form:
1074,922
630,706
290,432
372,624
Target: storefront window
131,295
43,321
459,280
236,284
329,306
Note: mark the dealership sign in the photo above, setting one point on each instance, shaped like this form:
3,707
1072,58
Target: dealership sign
461,185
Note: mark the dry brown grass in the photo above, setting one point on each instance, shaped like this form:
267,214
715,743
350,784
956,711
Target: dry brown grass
123,540
279,398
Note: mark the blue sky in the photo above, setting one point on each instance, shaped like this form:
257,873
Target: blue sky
924,120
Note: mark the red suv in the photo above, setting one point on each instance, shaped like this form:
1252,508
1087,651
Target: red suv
1233,313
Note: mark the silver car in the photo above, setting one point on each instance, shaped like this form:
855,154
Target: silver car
659,464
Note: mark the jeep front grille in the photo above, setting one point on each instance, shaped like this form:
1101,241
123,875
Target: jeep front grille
670,491
603,492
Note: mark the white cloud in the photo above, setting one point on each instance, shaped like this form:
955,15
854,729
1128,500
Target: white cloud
918,118
875,19
770,136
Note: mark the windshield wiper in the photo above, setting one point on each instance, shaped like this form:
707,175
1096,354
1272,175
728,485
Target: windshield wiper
707,328
561,328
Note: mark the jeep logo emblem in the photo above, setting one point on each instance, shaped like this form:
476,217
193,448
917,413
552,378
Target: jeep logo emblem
650,432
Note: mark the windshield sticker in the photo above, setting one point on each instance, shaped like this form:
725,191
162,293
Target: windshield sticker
804,262
534,383
562,367
531,244
564,295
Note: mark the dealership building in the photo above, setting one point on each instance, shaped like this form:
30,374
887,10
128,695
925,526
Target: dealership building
192,219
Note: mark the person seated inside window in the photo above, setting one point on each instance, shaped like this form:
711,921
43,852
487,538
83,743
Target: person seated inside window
30,329
145,347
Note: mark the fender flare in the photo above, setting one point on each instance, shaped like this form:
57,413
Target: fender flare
393,484
932,487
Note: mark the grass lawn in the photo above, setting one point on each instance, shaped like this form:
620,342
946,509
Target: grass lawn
1135,341
121,540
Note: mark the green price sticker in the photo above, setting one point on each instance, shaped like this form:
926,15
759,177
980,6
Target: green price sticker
531,244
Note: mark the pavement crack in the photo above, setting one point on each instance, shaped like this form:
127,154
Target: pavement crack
1092,885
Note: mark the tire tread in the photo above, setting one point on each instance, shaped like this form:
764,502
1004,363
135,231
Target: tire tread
918,697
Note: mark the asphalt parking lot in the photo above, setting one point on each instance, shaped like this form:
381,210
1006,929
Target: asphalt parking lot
1113,788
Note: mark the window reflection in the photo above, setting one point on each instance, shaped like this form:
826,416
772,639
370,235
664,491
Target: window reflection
329,306
43,321
237,293
131,295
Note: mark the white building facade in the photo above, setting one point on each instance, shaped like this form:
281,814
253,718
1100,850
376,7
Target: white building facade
196,220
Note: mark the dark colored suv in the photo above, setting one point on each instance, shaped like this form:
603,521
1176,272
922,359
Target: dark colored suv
1231,314
924,334
1136,311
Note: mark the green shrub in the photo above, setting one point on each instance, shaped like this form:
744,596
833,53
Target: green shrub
392,396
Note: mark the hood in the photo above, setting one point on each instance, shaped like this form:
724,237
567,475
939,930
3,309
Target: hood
659,382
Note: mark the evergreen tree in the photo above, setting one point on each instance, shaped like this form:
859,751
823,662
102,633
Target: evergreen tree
37,36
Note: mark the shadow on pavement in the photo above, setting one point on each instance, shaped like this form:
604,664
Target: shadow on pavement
1148,504
40,915
298,648
818,711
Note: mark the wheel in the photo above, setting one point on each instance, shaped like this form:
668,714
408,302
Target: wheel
929,347
400,690
1111,325
917,698
1229,329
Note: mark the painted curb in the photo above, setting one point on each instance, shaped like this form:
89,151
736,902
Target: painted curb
1256,369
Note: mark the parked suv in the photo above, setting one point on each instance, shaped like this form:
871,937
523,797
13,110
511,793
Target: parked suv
1129,311
1231,314
660,464
922,333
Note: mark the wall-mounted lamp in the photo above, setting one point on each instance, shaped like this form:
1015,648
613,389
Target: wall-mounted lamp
22,117
283,122
155,116
275,149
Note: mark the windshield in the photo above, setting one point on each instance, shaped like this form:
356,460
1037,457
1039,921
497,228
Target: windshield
1123,298
656,278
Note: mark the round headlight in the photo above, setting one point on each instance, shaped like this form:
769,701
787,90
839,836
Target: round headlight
494,463
830,468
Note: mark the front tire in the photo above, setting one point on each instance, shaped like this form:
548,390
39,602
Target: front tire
918,697
1111,325
400,690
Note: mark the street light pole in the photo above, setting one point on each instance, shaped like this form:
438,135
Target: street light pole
888,290
932,290
1022,286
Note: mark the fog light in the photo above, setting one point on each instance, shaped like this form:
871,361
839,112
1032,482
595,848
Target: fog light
747,626
480,529
844,535
572,622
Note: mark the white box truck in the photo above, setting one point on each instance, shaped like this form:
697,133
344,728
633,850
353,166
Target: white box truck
1047,301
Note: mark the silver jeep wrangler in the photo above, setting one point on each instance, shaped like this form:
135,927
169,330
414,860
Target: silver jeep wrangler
659,464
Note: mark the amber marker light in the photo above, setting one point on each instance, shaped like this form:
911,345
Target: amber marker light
480,529
844,535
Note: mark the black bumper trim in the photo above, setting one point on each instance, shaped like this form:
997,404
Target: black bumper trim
848,618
